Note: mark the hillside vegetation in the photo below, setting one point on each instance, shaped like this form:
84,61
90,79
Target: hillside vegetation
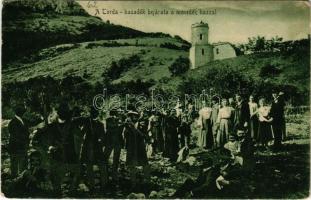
257,73
93,58
61,48
31,25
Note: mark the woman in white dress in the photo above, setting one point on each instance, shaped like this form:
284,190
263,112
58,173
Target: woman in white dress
224,121
205,139
253,125
264,128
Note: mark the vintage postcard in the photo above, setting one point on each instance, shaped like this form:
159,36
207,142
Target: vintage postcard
155,99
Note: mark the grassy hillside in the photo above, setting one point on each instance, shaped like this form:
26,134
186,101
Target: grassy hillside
293,69
92,58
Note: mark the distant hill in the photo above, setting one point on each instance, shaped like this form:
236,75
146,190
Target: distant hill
31,25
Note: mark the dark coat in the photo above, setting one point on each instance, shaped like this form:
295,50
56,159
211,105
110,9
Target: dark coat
171,146
114,127
62,137
277,111
241,115
185,129
135,145
93,141
19,136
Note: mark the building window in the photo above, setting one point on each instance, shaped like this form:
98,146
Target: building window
201,36
217,51
202,51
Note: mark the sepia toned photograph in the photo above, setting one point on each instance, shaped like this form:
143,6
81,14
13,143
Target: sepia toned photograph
155,99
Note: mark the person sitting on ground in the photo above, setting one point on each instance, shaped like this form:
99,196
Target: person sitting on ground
205,184
33,181
202,186
234,146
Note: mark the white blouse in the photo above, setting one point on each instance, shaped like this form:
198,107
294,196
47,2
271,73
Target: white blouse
224,113
205,113
263,112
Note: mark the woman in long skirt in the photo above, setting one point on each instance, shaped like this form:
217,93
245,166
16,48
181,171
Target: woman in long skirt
225,126
171,147
264,128
253,125
205,139
156,131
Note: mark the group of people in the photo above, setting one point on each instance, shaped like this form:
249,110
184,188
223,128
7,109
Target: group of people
70,144
263,122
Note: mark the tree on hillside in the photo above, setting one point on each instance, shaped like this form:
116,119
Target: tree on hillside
274,44
261,44
256,44
179,66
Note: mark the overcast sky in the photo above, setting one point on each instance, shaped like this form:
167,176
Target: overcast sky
233,22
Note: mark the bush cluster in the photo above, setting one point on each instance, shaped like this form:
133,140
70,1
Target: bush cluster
169,45
106,44
41,94
118,67
179,66
226,82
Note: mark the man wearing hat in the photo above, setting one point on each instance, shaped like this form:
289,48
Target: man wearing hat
113,141
91,151
136,154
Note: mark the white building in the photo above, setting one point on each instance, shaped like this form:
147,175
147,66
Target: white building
202,52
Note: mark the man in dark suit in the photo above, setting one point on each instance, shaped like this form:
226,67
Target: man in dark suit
114,142
18,142
58,140
277,113
241,113
91,152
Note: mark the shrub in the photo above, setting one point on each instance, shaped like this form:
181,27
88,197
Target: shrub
124,64
164,80
269,70
179,66
133,87
169,46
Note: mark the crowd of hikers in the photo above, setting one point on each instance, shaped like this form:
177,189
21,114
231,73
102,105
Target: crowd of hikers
69,145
